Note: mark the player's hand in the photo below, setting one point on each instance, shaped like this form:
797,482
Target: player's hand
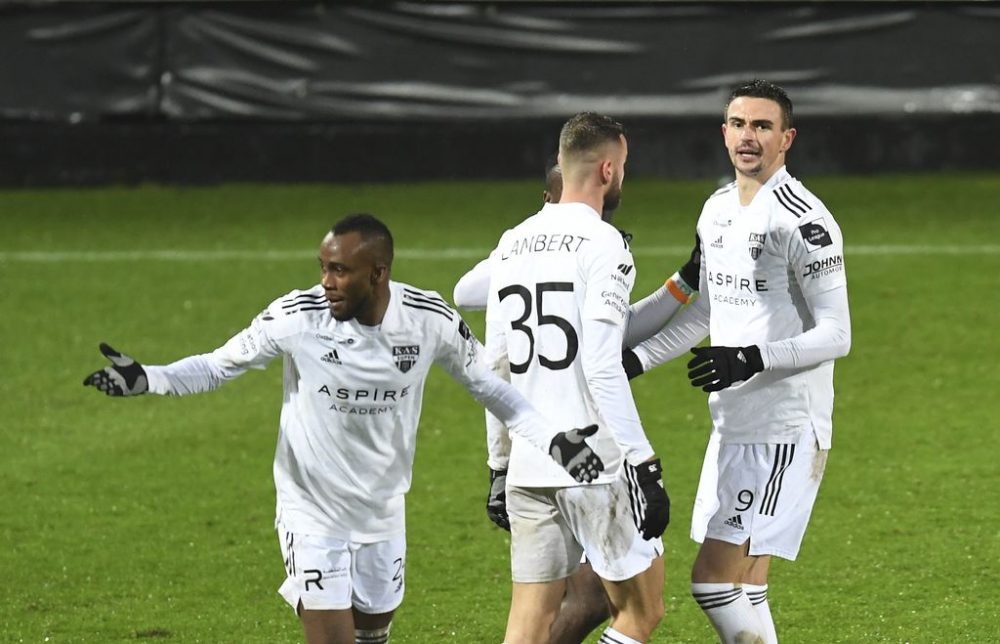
124,377
657,516
715,368
496,502
691,271
571,451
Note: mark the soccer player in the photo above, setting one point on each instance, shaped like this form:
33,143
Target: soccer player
585,604
774,300
557,304
356,351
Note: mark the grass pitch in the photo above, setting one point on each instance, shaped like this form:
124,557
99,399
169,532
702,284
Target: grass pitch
151,519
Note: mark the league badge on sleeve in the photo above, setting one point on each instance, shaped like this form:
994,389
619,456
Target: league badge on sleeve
406,356
815,234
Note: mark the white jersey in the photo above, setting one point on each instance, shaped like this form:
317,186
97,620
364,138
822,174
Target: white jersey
759,263
351,405
549,277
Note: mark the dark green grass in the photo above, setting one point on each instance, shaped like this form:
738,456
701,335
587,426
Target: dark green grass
150,519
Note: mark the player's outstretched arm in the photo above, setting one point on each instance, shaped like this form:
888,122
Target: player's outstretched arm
123,377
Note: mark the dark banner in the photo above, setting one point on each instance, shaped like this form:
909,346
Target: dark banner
474,61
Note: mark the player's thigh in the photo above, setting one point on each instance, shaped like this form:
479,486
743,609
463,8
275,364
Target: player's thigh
378,573
706,501
766,493
318,571
542,547
605,520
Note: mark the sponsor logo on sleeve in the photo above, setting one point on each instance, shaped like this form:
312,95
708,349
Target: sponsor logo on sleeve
406,356
815,235
823,267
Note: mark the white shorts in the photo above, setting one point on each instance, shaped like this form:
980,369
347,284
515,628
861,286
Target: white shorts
332,574
706,501
551,528
765,493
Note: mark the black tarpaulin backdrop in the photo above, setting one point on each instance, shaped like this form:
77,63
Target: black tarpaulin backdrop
411,70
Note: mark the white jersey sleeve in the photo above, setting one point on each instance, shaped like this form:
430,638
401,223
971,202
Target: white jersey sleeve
609,280
462,356
472,288
252,348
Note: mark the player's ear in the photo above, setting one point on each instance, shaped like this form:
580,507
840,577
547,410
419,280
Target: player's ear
380,273
607,171
788,136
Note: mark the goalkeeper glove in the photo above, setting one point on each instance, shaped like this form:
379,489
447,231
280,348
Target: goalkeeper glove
125,376
715,368
571,451
656,516
496,502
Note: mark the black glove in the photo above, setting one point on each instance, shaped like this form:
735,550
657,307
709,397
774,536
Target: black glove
496,502
691,271
571,452
631,364
657,512
715,368
125,376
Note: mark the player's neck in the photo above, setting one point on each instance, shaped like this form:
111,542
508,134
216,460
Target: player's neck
593,198
749,186
376,312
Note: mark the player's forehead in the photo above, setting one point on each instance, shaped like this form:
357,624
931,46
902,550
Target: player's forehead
342,249
753,108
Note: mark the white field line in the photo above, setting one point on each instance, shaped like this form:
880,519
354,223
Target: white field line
45,257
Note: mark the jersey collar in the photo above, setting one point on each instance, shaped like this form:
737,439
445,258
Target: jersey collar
577,206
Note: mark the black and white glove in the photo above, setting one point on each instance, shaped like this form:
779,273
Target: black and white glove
496,502
571,451
715,368
649,476
125,376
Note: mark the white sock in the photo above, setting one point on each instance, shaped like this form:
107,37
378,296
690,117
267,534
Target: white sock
376,636
758,597
611,636
730,611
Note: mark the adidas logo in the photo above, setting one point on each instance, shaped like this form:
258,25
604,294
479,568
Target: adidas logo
331,357
735,522
717,243
625,269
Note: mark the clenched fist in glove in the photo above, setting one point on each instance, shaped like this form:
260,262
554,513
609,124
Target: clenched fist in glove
124,377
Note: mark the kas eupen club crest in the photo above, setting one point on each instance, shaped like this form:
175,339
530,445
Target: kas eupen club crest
406,356
756,244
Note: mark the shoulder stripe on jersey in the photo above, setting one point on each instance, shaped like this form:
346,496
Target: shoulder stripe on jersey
304,298
425,297
315,307
797,210
794,198
433,309
431,301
